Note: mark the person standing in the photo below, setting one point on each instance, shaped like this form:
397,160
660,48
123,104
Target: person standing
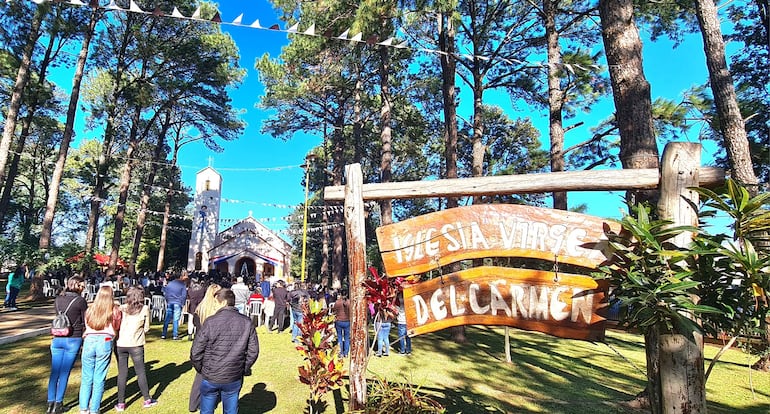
280,298
176,295
208,306
223,352
404,341
382,326
15,282
134,325
341,311
297,298
264,285
102,322
242,293
64,349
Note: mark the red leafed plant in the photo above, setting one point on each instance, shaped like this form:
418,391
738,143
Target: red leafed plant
381,293
322,369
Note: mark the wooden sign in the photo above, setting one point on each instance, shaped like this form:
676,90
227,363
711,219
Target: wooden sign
426,242
563,305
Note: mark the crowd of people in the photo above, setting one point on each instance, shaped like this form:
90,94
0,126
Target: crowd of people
223,350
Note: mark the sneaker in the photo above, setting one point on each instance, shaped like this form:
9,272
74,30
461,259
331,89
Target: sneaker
120,407
163,337
150,403
176,338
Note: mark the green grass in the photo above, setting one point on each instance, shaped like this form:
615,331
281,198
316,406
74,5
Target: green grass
548,375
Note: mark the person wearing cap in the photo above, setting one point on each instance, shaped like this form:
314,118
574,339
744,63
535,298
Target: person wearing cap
242,293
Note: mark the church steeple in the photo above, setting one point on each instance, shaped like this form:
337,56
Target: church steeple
205,223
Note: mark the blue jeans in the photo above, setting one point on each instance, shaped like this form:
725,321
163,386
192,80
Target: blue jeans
10,298
173,310
64,350
297,317
97,350
404,341
343,336
228,392
383,340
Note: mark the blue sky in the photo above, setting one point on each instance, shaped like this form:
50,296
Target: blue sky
262,175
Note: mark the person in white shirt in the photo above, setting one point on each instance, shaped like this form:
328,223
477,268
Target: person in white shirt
242,293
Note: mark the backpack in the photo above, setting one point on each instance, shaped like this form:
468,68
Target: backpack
60,326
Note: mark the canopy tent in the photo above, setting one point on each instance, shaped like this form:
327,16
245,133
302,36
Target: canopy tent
101,259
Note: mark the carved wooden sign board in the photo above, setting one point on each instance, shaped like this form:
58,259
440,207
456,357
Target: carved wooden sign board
559,304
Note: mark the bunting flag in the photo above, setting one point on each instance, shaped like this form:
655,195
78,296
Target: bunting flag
309,31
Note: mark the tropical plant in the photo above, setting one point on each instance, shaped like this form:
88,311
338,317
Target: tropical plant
322,369
740,260
651,276
388,397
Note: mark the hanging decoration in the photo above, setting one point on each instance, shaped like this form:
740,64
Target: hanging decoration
348,35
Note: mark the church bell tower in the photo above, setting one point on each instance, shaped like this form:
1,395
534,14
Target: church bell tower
205,222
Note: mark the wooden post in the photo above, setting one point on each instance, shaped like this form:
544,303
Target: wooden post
682,377
356,238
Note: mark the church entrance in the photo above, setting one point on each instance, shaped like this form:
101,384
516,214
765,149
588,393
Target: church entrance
246,268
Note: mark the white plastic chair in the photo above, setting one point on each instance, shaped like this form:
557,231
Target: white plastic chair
48,291
255,310
158,307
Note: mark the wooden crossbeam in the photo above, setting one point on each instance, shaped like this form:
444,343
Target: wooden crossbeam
594,180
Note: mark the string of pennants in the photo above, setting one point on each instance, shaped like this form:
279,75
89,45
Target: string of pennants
287,218
310,30
310,229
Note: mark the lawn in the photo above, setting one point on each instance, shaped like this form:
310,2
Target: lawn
548,375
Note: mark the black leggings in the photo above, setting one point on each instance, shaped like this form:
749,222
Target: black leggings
137,356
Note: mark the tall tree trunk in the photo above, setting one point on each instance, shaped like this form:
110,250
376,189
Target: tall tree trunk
100,184
13,167
166,214
325,245
125,180
555,97
141,217
386,138
69,130
731,122
22,78
633,115
448,70
479,149
338,171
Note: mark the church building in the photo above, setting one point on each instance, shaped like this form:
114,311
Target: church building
247,248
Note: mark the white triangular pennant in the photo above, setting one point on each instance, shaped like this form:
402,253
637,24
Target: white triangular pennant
197,14
310,30
77,3
176,13
113,6
238,19
356,38
256,24
402,45
386,42
34,1
134,8
293,29
344,35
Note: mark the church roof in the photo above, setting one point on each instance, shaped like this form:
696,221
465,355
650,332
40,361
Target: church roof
259,230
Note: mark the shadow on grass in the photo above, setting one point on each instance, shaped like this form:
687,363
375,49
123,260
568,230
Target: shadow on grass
258,400
161,377
561,379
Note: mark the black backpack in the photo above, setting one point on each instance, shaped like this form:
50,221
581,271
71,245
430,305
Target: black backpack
60,326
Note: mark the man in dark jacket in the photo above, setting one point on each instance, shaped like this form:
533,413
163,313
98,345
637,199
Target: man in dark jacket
223,352
297,298
176,295
280,297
